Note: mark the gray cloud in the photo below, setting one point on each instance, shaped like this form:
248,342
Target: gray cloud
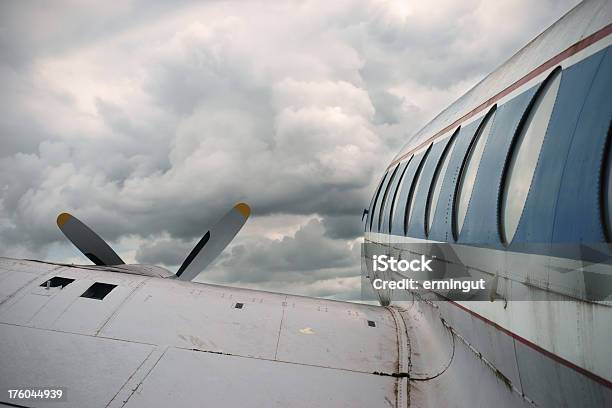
304,258
343,226
163,251
150,120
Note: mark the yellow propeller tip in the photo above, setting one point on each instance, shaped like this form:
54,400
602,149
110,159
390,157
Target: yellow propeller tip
62,219
244,209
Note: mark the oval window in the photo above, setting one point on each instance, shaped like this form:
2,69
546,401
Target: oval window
524,157
395,194
606,187
384,199
374,199
467,178
413,188
436,184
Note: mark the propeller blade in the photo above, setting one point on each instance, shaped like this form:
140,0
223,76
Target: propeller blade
214,242
87,241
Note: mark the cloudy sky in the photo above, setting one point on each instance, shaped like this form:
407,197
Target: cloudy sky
149,120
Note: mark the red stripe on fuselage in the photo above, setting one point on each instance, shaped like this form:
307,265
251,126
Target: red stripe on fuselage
537,348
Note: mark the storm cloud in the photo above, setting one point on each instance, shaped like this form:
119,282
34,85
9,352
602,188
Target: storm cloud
149,120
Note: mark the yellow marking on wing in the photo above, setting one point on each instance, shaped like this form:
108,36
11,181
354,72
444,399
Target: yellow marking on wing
307,330
244,209
62,219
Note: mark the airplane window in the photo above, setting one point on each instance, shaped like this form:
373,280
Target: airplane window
467,178
413,188
98,290
397,188
436,184
382,203
373,205
525,152
57,281
607,189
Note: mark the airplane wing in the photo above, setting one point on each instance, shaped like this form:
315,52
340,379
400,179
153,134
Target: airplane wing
121,339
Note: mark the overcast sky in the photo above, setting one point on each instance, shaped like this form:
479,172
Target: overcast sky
149,120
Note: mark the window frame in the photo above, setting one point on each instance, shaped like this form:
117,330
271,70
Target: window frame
605,179
413,184
373,203
434,180
397,188
512,151
385,195
490,115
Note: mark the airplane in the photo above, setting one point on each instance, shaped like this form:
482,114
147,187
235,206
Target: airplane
513,182
514,177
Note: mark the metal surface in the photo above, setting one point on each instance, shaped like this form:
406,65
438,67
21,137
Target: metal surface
189,378
160,342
